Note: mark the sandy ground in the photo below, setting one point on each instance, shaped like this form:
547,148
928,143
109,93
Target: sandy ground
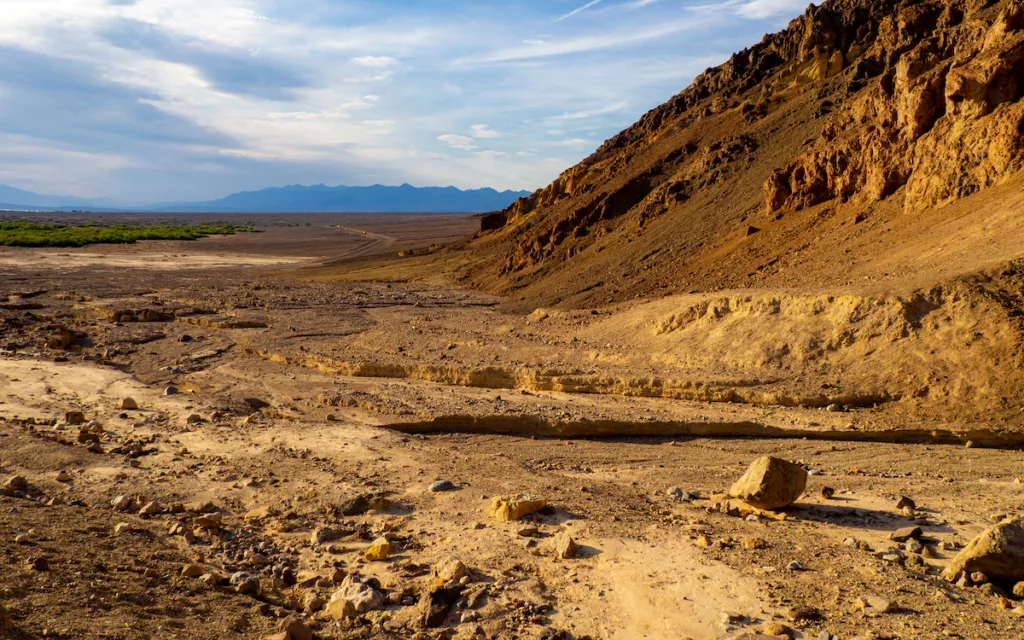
295,397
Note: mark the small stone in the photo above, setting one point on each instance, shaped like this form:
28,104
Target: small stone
979,578
134,463
796,566
678,495
171,391
804,614
827,492
998,552
913,546
128,404
63,476
39,564
516,507
23,538
442,485
906,533
207,522
565,547
450,570
752,544
122,527
246,583
94,447
151,509
192,571
314,603
380,550
528,532
777,629
295,629
74,418
905,503
874,604
1018,590
892,558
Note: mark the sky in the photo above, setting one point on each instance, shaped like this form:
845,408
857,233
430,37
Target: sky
168,100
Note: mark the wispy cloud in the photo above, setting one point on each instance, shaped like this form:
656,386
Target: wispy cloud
578,10
483,132
168,99
457,142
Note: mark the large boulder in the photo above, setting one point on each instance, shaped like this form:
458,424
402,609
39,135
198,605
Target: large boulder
998,553
770,483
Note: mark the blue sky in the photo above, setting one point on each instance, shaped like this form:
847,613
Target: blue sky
159,100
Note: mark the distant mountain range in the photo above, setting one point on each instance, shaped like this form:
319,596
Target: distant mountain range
292,199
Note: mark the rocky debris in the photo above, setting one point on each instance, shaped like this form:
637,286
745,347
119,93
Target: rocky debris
123,503
873,605
356,595
314,603
998,552
39,564
677,494
74,418
360,504
905,503
378,551
122,528
906,533
170,391
151,509
192,571
63,476
770,483
246,583
508,509
828,493
293,628
564,546
442,485
437,603
128,404
323,535
450,570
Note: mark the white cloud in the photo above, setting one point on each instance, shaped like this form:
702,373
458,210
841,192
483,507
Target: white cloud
376,62
583,115
758,9
483,132
491,154
458,142
578,11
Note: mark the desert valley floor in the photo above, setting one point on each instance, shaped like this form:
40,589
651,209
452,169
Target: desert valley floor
207,440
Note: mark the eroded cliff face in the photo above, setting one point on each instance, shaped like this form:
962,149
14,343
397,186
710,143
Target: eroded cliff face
942,113
915,104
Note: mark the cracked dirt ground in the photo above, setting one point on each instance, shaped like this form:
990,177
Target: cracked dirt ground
304,395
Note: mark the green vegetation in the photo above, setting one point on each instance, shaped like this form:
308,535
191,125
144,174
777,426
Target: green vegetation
31,234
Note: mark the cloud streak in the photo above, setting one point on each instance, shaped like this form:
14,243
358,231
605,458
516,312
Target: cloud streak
578,10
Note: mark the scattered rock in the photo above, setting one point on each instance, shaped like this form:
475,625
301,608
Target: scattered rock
874,604
74,418
39,564
360,504
906,533
63,476
564,546
151,509
512,508
314,603
192,571
796,566
442,485
828,493
770,483
436,604
998,553
354,597
449,571
905,503
295,629
378,551
171,391
121,528
128,404
246,583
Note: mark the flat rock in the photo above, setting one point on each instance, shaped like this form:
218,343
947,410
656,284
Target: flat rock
512,508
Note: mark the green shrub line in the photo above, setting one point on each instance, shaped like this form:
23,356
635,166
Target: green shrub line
33,234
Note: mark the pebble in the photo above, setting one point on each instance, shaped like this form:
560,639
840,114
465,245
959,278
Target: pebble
171,391
128,404
796,566
192,571
63,476
442,485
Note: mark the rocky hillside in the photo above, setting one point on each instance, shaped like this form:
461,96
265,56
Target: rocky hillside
800,161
